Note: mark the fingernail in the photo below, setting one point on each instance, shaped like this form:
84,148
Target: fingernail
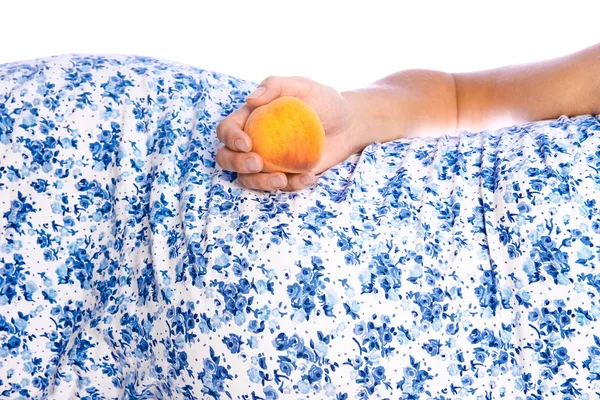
241,145
251,165
277,182
257,93
307,180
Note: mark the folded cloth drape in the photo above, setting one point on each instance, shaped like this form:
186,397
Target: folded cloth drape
131,266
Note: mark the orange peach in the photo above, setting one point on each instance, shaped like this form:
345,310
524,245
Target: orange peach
287,133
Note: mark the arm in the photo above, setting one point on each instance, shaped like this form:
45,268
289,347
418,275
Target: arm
417,102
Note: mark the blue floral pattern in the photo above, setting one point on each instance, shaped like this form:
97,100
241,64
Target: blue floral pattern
131,266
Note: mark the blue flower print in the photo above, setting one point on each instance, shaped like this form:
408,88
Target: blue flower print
133,266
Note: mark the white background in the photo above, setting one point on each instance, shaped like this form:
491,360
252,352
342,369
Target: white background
344,44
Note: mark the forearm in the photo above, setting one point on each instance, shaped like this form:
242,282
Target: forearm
420,102
406,104
568,85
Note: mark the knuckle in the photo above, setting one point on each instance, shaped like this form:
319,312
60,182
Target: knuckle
219,158
269,80
223,130
294,186
238,163
228,139
249,181
237,114
242,180
304,80
263,183
222,159
220,131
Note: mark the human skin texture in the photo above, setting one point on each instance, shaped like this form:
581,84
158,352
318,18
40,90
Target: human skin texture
415,103
287,134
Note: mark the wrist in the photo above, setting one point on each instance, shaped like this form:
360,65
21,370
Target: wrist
358,125
379,114
408,104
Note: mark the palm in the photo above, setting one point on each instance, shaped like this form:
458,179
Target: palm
334,111
335,116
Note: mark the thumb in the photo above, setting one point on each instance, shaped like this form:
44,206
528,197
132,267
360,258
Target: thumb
274,87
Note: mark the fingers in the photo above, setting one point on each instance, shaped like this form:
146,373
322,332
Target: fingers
237,156
263,181
249,165
299,182
229,131
274,87
245,163
276,181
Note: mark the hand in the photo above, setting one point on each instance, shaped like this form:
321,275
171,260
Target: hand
332,108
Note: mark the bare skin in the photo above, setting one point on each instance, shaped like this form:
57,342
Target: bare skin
416,103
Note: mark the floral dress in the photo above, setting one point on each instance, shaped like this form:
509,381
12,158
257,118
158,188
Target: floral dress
133,267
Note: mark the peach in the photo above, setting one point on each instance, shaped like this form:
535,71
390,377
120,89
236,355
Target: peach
287,133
